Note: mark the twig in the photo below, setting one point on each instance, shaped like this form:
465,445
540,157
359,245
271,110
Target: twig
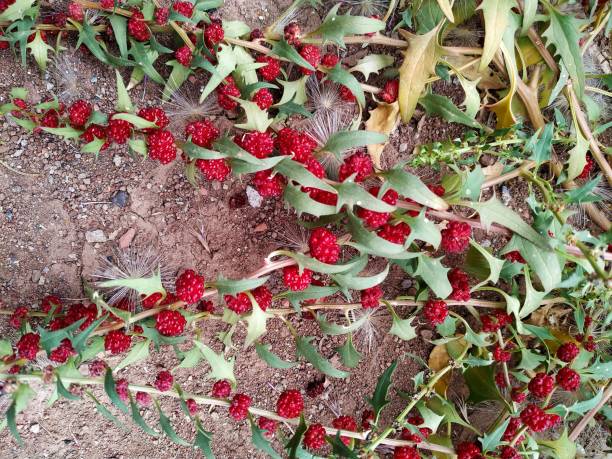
587,417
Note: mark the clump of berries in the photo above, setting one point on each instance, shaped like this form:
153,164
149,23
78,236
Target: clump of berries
190,286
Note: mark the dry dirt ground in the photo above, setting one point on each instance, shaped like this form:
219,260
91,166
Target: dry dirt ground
52,199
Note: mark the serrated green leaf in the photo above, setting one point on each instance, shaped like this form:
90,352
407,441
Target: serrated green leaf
235,29
111,391
379,398
293,91
302,203
143,285
563,447
350,194
335,27
220,368
422,229
293,445
256,323
166,426
95,146
231,287
564,34
310,353
177,77
349,355
282,49
348,281
410,186
368,242
445,108
529,360
144,60
140,422
298,173
137,121
202,440
496,15
65,132
480,381
39,50
274,361
402,328
345,78
261,443
16,10
256,118
124,104
330,328
434,274
372,63
481,264
139,351
492,440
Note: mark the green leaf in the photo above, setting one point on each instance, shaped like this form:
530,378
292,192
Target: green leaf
311,293
65,132
600,371
5,348
541,145
564,34
422,229
124,104
410,186
235,29
310,353
16,10
545,263
301,202
105,412
293,445
472,96
533,298
231,287
166,426
61,390
143,285
434,274
274,361
298,173
493,211
256,321
177,77
144,59
293,91
313,264
39,50
202,440
496,18
529,360
379,399
577,156
584,193
140,422
348,281
368,242
335,27
372,63
261,443
402,328
220,368
111,391
257,119
345,78
49,340
137,121
481,264
491,441
79,342
119,25
481,384
562,447
284,50
95,146
350,194
442,106
349,355
339,448
21,397
329,328
139,352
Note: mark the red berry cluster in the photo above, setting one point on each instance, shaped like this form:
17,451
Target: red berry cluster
456,237
435,311
460,282
190,286
239,407
170,323
164,380
324,246
116,342
537,419
290,404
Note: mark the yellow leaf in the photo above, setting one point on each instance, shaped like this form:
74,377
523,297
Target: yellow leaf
496,18
446,8
383,119
438,359
419,64
488,78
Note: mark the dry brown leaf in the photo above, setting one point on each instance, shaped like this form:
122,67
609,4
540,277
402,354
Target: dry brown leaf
488,78
438,359
383,119
493,171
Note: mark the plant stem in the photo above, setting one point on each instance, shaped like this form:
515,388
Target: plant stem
211,401
585,420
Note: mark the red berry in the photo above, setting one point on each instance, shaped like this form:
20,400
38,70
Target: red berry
77,312
137,27
460,283
346,94
18,315
370,297
263,98
492,323
161,15
294,281
314,437
206,306
61,353
468,450
517,395
268,185
192,406
515,257
213,34
225,92
203,133
312,55
163,381
435,311
184,55
291,33
263,296
358,163
155,115
221,389
541,385
152,300
28,346
95,131
394,233
390,91
500,380
214,169
456,237
256,34
589,344
345,423
239,407
296,143
97,368
3,43
329,60
588,167
240,303
536,419
259,144
375,219
170,323
118,131
508,452
79,112
567,352
20,103
143,398
268,426
116,342
107,4
50,119
271,70
568,379
405,452
75,11
290,404
162,146
190,286
324,246
513,426
122,388
51,303
501,355
183,8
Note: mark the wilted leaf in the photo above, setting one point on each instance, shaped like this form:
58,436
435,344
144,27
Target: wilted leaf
383,119
438,359
496,18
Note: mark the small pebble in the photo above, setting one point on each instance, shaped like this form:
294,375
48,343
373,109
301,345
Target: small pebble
120,198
